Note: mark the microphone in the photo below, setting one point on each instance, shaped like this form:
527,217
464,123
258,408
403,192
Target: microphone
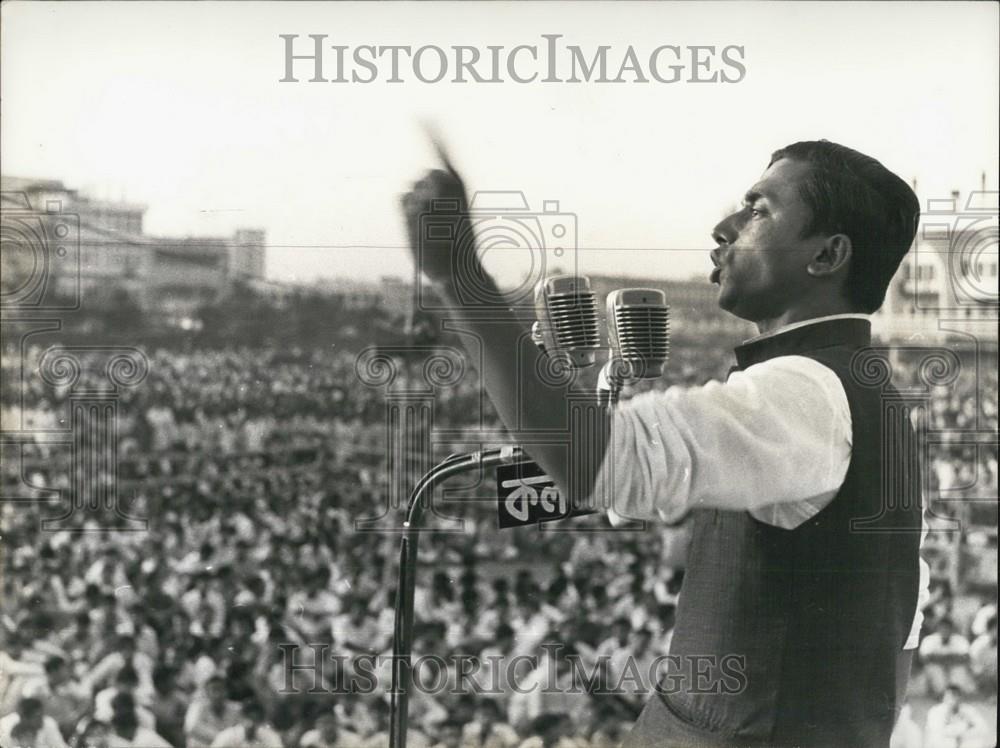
566,311
639,336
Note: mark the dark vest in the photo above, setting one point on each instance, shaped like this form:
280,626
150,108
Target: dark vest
815,616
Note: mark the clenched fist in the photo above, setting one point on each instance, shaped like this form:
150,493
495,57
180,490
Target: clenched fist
438,199
442,240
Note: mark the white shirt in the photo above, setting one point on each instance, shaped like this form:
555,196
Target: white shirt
314,739
104,709
236,737
773,440
934,645
949,727
47,737
143,738
537,694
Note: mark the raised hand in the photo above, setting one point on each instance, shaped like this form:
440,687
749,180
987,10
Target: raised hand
441,192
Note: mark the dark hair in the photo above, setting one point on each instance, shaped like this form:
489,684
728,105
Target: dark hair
124,720
163,676
127,674
853,194
53,663
123,700
253,709
29,706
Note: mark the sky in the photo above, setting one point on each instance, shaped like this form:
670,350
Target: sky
179,106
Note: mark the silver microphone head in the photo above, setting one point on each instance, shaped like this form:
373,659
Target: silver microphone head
639,327
567,318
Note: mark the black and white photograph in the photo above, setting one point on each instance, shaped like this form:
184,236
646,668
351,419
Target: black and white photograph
536,374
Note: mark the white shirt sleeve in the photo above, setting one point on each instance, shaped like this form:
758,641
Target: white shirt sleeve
924,593
774,440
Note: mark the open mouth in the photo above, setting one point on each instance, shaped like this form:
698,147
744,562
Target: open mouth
715,274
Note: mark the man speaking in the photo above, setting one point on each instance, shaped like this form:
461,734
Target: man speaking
804,490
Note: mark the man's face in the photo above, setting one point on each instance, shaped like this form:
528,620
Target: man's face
762,257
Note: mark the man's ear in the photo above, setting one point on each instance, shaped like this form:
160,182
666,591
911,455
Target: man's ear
832,257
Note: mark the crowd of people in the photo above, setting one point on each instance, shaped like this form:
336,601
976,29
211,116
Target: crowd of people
249,607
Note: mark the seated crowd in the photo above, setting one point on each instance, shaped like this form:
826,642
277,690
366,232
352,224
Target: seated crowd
249,609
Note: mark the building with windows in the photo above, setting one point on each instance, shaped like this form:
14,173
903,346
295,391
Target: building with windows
58,242
946,287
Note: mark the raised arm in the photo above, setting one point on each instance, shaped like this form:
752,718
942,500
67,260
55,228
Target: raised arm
510,361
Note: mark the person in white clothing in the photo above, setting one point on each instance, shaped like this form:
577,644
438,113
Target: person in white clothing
762,461
30,727
906,733
945,656
251,732
126,732
954,724
328,734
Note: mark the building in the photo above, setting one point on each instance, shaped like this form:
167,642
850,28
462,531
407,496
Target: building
186,274
946,288
59,249
390,293
246,254
63,249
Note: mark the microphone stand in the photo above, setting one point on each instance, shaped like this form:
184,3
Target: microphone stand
610,381
402,641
